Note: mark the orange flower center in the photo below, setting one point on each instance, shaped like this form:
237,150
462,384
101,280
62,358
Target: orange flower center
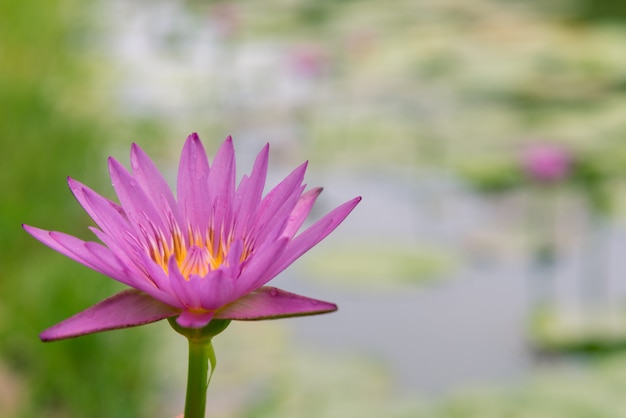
196,255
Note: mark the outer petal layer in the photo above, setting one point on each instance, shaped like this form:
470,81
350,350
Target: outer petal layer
301,211
128,308
310,237
272,303
90,254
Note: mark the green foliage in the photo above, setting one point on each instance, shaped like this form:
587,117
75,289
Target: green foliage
47,133
492,176
598,332
596,10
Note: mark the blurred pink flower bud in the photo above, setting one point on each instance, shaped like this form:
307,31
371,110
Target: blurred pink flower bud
546,162
225,17
308,60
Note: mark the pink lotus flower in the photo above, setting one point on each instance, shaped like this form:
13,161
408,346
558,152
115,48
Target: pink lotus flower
547,162
203,255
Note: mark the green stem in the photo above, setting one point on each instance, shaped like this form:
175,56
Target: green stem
201,359
200,354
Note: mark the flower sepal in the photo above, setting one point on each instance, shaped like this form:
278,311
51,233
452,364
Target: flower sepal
270,302
205,333
128,308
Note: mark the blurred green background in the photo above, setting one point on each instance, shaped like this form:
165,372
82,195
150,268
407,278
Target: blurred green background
467,287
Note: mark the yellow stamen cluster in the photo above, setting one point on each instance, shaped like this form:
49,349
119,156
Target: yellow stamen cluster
198,254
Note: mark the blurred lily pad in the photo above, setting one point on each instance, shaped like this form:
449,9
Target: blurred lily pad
380,265
592,332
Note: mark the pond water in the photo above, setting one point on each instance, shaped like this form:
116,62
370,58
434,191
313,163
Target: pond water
465,329
459,330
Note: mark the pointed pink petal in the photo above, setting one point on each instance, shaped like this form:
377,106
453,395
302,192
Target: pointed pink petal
222,183
216,289
135,201
301,211
128,308
77,250
189,319
138,280
108,215
256,271
115,232
156,275
276,197
312,236
152,181
277,224
275,207
79,190
211,292
250,191
192,186
233,259
101,259
125,252
181,287
270,303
